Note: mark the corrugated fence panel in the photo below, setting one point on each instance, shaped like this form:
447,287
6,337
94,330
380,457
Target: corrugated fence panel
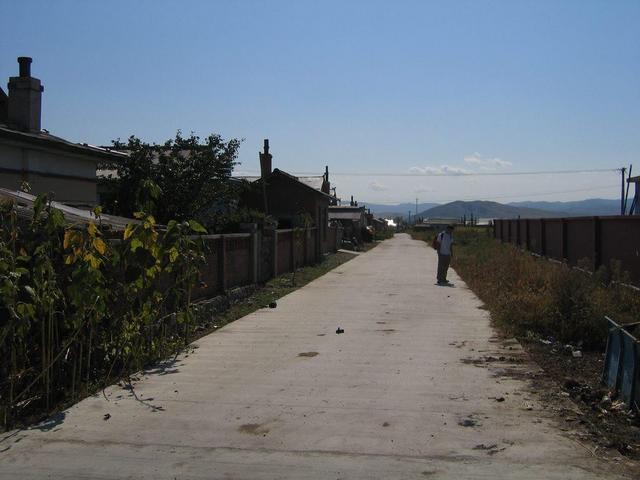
596,239
522,232
553,238
513,231
621,241
535,230
580,240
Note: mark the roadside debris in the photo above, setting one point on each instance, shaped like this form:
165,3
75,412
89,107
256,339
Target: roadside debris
339,330
107,416
596,413
468,422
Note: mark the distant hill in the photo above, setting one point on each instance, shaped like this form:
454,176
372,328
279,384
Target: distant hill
396,210
591,206
484,209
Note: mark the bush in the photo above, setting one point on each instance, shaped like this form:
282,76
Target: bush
76,308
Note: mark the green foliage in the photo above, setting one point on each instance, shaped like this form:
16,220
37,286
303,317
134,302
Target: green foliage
74,306
231,221
181,179
528,295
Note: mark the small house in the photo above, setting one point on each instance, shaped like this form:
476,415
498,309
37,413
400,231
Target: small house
292,201
31,155
351,217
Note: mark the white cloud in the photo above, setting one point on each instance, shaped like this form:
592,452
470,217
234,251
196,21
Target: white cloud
377,186
441,170
486,163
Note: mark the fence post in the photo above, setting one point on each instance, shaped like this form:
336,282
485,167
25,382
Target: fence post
563,237
518,232
527,239
509,231
222,267
275,252
293,250
254,256
543,236
597,243
305,246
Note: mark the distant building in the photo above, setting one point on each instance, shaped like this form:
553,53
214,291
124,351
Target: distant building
31,155
289,199
440,222
352,218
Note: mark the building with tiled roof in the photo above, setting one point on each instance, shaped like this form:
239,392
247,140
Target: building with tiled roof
32,156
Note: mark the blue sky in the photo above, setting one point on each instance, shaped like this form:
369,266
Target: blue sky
362,86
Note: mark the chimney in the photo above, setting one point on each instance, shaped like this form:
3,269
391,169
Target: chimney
352,200
326,173
265,160
25,99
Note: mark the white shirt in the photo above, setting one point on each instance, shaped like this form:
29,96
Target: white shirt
446,240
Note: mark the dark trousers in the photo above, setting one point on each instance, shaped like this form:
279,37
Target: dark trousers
443,266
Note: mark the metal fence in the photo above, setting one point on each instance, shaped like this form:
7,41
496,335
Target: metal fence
622,362
586,241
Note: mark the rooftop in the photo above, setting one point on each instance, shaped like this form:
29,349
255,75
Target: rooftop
25,201
45,139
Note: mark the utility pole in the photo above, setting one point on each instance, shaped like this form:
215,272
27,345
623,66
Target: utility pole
622,171
626,193
409,221
416,206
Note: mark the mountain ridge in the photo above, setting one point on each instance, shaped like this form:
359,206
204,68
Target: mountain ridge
486,209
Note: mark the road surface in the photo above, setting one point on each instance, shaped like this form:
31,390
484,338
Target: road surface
405,392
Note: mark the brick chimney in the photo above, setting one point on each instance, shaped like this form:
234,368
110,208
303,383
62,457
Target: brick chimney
25,99
265,160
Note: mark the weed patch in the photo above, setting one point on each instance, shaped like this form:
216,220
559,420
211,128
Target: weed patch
530,295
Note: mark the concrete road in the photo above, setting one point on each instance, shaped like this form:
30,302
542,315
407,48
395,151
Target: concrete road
403,393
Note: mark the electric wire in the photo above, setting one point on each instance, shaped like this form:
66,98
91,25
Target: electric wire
450,174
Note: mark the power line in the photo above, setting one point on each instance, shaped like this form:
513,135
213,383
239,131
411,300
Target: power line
542,194
453,174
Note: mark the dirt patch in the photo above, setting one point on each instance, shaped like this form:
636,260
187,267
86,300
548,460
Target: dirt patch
253,429
493,448
308,354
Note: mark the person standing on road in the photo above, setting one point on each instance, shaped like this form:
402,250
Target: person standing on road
445,253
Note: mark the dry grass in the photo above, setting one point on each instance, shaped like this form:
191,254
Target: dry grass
528,296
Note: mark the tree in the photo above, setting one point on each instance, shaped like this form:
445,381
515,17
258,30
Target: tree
185,178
